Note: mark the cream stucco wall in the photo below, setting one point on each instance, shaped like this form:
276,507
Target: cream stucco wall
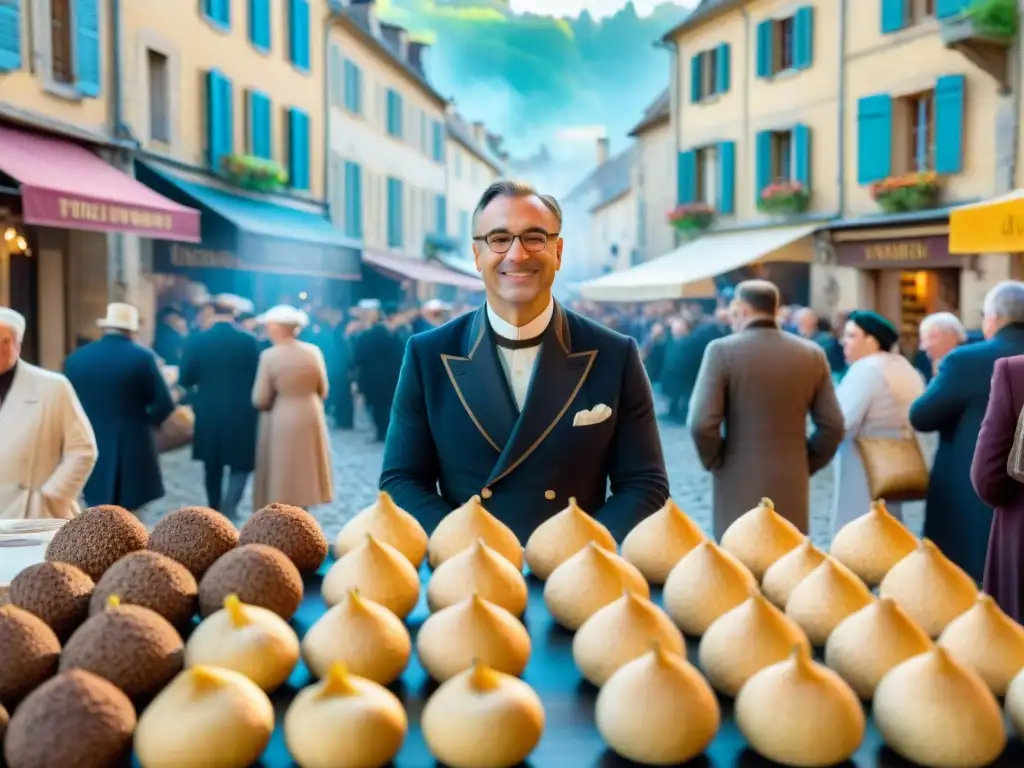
363,139
614,223
193,46
654,179
754,104
878,63
468,177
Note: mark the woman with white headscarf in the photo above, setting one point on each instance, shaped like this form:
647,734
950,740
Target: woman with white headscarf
293,452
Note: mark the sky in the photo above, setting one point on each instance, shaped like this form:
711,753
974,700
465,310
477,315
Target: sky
598,8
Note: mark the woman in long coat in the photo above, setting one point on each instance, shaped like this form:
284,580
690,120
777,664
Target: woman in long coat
293,452
875,395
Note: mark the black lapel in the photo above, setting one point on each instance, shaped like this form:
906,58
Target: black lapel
558,377
480,384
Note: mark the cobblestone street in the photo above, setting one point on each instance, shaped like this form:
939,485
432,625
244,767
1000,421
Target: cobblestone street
357,466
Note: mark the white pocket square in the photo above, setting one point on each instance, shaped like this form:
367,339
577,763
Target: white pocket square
589,417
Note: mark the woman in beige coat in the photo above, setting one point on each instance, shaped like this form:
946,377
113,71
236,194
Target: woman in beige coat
293,452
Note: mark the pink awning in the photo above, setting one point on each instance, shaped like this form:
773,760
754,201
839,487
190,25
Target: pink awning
404,268
67,186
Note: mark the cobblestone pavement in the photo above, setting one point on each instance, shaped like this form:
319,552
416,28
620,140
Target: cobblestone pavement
357,466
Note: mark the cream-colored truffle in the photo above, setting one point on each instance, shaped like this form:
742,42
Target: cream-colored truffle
760,537
387,522
829,594
988,641
705,584
560,537
789,570
380,572
872,544
660,541
478,570
463,527
587,582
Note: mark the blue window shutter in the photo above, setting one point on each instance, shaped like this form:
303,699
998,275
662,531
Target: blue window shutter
874,138
394,213
763,159
298,143
438,141
227,117
441,226
894,15
260,125
218,11
727,177
803,38
765,40
353,200
10,35
949,124
722,73
695,75
219,119
802,155
88,70
946,8
299,40
259,24
687,177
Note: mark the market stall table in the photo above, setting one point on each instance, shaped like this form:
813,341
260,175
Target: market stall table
571,739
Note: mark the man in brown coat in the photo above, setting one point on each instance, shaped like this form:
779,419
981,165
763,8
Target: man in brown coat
748,415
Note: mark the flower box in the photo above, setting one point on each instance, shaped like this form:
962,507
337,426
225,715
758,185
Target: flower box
784,198
998,19
255,174
691,217
910,192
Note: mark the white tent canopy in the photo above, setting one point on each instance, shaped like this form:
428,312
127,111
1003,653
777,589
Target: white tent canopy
687,271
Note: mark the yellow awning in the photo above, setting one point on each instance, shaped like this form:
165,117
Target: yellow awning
992,226
687,272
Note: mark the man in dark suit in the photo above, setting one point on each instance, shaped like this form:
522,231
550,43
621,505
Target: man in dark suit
220,364
123,392
377,356
522,401
954,405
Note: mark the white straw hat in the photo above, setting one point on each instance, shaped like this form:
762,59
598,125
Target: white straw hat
284,315
122,317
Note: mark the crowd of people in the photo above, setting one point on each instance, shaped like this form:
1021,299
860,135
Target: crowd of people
526,403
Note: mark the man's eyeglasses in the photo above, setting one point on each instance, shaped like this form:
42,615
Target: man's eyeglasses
532,242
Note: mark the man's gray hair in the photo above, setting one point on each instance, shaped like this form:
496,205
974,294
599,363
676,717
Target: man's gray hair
514,188
15,321
1006,301
945,321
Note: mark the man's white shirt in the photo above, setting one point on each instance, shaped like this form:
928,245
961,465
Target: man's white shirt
519,364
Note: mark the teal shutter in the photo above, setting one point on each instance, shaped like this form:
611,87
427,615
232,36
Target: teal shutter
394,113
722,66
874,138
727,177
218,11
299,33
87,48
438,131
394,213
259,24
260,125
946,8
441,225
949,124
353,87
802,155
298,149
803,38
353,200
695,75
10,35
765,53
763,160
687,176
219,119
894,15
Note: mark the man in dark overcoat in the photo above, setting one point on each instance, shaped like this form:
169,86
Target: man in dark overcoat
219,365
954,405
523,402
125,396
377,357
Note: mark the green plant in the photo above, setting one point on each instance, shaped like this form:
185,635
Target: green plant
255,174
691,217
998,18
911,192
784,198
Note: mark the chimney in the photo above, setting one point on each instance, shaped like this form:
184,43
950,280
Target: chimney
365,13
479,132
602,151
418,56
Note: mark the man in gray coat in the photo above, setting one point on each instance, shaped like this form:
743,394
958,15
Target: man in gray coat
748,415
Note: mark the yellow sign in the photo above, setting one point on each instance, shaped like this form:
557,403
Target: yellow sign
115,215
195,257
902,250
996,226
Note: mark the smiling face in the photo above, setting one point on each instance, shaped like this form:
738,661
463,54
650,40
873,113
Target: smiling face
519,281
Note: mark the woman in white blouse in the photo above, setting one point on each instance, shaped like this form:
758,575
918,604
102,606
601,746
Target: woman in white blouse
875,395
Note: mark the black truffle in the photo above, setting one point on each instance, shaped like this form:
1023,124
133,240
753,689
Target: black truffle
58,593
133,647
153,581
290,529
195,537
75,720
259,575
96,539
29,652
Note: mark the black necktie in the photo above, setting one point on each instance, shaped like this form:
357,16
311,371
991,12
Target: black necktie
501,341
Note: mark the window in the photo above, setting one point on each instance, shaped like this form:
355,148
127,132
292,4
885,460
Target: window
782,156
786,44
783,47
707,169
353,88
159,96
709,73
708,64
62,67
917,115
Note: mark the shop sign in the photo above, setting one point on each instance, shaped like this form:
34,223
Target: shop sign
181,256
903,253
50,210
